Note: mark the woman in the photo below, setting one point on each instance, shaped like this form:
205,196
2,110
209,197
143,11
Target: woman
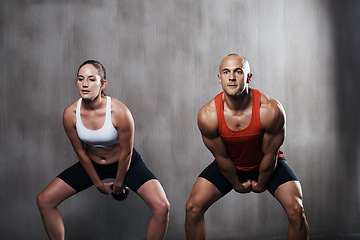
101,131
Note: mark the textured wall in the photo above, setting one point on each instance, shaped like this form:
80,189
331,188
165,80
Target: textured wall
162,58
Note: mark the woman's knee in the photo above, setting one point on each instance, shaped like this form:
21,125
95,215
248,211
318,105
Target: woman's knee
54,194
43,201
162,209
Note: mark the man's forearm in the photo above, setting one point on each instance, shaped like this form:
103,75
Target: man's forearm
228,170
266,170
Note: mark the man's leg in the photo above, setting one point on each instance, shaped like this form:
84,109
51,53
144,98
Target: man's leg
202,196
289,195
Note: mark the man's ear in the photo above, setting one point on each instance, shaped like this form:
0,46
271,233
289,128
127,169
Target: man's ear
249,77
219,78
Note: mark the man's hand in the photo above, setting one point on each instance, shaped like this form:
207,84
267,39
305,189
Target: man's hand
256,188
244,187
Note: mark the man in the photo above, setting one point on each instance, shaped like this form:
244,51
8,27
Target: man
244,129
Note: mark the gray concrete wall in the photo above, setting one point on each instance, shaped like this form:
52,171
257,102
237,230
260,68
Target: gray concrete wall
162,58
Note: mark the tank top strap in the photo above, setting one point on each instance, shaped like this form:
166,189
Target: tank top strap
108,110
219,108
255,118
256,97
78,116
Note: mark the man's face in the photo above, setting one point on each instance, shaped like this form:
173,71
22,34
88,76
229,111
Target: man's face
233,76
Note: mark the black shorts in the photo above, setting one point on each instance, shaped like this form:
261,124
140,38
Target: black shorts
282,174
138,174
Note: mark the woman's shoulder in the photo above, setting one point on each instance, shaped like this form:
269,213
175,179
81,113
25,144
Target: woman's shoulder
119,108
120,113
117,105
69,115
71,109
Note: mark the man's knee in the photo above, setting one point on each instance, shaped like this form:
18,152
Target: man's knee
295,212
193,210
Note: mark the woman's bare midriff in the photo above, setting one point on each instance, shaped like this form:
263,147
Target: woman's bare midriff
104,155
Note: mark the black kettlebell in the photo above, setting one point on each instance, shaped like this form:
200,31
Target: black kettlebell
121,196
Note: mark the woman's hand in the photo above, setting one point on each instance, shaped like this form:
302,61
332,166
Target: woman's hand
104,188
118,189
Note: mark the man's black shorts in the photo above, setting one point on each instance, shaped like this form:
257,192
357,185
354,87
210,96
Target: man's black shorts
282,174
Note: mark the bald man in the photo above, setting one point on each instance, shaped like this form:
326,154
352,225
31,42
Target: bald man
244,130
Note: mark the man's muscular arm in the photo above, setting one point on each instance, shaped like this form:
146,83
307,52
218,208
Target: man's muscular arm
208,125
273,120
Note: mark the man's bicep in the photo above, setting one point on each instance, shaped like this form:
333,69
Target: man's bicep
216,146
272,142
274,127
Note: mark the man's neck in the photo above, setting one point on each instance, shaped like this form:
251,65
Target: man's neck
240,102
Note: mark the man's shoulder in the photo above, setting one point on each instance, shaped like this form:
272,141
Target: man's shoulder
271,111
267,101
207,117
208,109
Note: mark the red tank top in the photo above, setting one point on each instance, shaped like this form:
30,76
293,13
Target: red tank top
244,146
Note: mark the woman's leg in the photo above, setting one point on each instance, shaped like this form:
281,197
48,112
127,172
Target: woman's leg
47,201
155,197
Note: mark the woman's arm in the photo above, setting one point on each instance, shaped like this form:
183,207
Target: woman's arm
124,123
69,122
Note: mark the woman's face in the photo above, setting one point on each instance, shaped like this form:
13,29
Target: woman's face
89,82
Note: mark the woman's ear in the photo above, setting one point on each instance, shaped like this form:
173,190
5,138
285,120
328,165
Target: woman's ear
103,84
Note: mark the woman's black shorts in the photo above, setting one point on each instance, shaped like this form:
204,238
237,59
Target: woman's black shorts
76,177
282,174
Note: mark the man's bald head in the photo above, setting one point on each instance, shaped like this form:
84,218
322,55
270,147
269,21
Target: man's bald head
245,63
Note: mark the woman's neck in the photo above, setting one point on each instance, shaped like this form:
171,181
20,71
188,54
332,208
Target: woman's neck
94,103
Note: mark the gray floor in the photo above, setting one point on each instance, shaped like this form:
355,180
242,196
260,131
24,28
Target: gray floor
331,237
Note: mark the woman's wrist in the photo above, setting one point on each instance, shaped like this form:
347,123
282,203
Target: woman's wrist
98,184
117,184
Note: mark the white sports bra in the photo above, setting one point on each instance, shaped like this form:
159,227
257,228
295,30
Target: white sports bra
107,135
